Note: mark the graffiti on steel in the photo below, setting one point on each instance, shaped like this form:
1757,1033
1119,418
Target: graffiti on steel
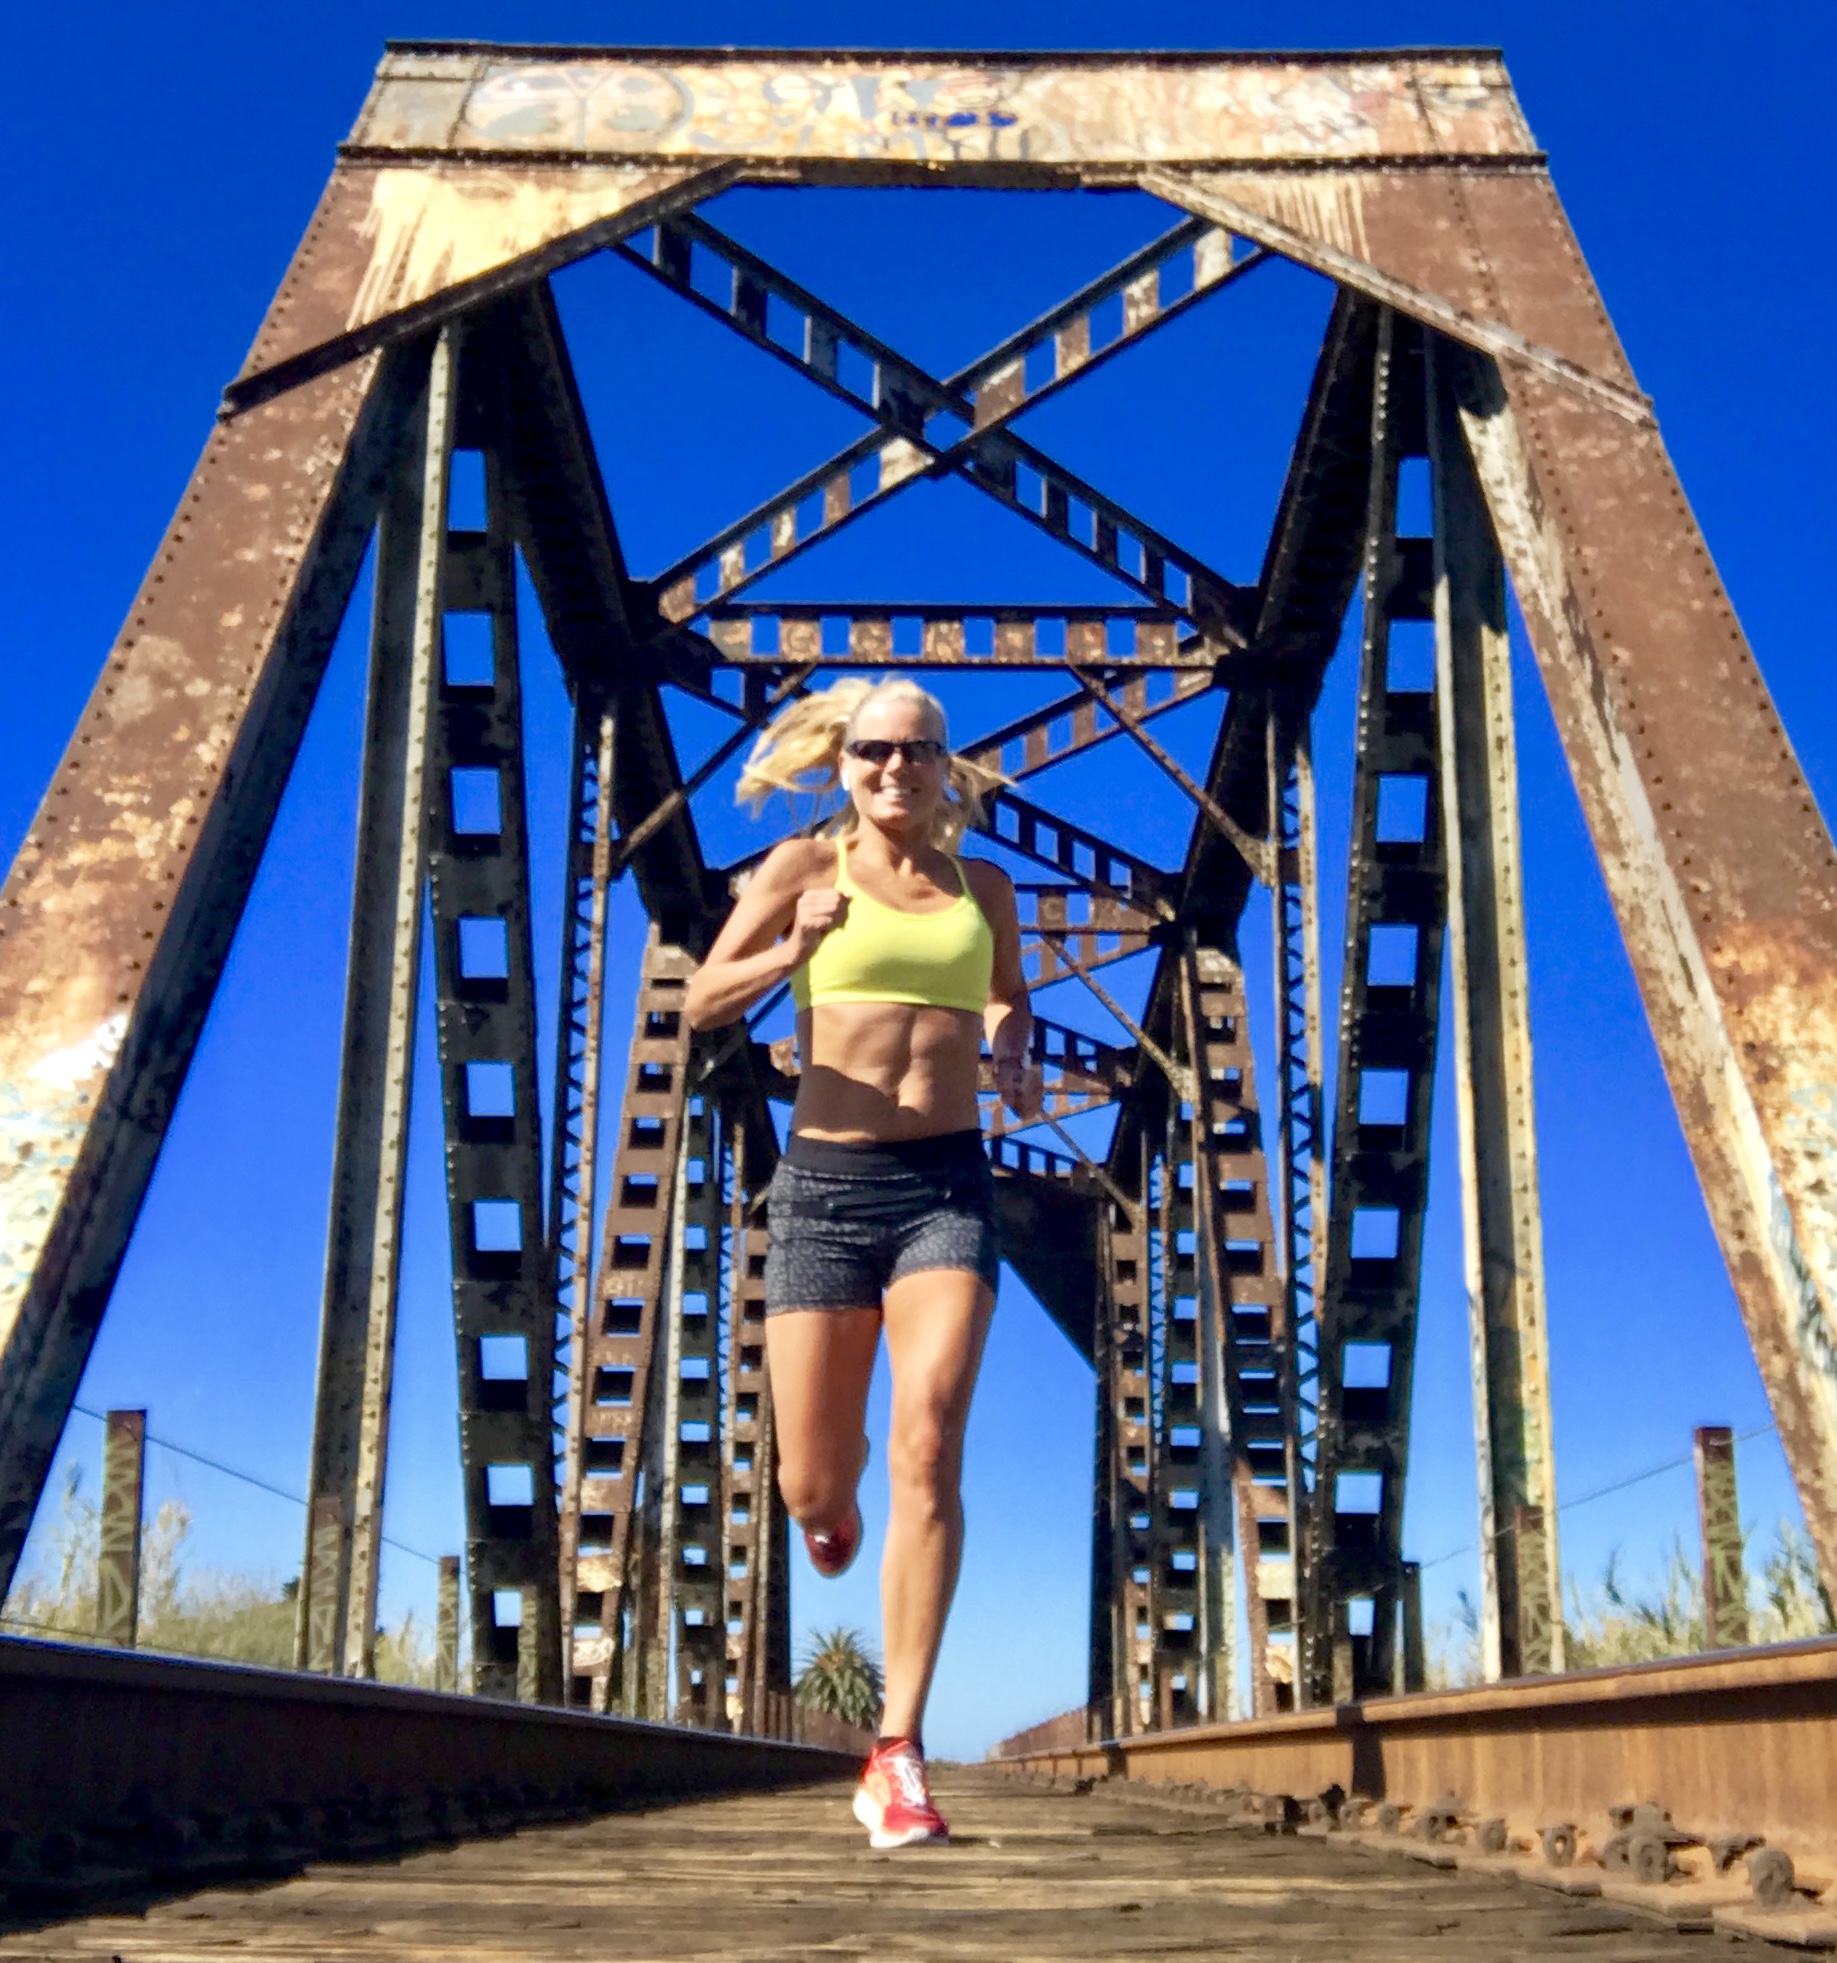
944,112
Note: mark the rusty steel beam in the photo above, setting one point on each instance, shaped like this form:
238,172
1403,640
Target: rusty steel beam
616,1361
393,253
476,828
336,1605
110,952
1389,1002
1243,1312
1301,1121
1502,1219
1674,743
1009,117
906,402
750,634
575,1129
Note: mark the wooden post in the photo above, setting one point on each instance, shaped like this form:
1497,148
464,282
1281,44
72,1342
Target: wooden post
118,1568
1725,1585
1536,1646
446,1632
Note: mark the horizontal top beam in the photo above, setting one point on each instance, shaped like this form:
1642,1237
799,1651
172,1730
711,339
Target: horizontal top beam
945,111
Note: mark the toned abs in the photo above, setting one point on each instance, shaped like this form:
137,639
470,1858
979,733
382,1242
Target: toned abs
885,1070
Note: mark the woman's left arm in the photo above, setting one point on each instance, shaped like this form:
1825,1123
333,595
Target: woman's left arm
1007,1022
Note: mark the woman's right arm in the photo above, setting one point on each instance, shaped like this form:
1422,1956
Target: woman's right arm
775,925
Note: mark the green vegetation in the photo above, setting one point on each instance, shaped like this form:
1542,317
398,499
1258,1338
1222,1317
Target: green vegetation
839,1673
192,1611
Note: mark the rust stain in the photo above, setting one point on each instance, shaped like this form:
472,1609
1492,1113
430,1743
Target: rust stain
427,230
950,112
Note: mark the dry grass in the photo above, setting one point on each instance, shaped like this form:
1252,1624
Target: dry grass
184,1609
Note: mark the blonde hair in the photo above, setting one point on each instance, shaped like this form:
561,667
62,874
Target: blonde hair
800,754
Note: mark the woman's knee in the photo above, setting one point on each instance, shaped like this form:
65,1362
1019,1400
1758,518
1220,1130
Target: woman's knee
815,1495
925,1456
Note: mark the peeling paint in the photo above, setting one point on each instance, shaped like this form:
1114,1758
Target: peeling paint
427,231
955,112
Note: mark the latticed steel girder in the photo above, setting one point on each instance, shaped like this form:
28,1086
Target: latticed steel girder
1251,1440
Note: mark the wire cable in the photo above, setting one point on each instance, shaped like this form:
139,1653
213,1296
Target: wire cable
1599,1493
249,1479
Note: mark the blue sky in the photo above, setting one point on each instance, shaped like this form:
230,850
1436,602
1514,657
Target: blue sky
161,179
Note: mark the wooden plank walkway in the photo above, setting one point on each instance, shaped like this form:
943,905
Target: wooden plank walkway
784,1878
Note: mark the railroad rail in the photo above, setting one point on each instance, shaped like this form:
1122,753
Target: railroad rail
124,1770
1711,1779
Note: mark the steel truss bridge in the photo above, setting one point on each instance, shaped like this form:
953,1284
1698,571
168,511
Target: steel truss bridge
1241,1265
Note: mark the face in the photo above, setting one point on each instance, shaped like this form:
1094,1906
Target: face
901,795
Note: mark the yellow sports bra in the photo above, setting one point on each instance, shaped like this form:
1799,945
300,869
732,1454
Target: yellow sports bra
940,960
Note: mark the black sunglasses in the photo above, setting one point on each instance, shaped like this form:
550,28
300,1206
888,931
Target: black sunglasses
878,750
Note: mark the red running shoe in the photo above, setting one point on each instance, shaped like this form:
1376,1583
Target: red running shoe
894,1803
834,1554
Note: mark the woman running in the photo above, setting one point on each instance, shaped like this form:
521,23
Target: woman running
902,957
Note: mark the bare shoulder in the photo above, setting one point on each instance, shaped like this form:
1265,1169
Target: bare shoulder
795,865
989,885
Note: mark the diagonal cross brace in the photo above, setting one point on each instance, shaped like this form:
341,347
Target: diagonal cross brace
906,402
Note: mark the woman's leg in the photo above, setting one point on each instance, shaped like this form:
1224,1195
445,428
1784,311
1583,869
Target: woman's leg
820,1361
936,1322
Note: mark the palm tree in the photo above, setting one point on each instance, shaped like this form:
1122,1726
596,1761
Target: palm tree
839,1673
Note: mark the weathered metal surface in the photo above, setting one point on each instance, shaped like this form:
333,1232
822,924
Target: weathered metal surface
1247,1321
124,1460
1389,999
370,1143
926,425
1725,1582
575,1129
1502,1221
958,110
87,1728
1672,738
1301,1131
119,909
748,634
628,1302
1719,866
391,252
476,828
1736,1744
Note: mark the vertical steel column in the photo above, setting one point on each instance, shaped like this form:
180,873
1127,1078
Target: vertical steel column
750,1481
1238,1270
1500,1214
503,1304
1125,1592
446,1626
692,1587
124,1458
1195,1620
1389,1003
616,1357
1725,1582
1301,1129
574,1140
336,1606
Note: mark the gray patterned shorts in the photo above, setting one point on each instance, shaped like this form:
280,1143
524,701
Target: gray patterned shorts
849,1220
